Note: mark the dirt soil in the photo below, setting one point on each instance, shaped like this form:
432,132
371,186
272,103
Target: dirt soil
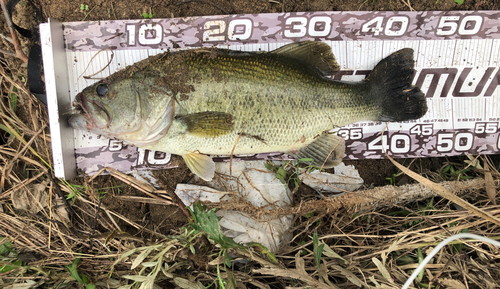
112,10
168,219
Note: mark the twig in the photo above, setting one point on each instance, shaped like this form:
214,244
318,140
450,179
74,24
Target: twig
443,192
8,53
102,69
123,218
17,46
6,38
232,153
143,187
24,183
61,195
333,149
113,9
490,184
181,206
28,144
88,13
142,200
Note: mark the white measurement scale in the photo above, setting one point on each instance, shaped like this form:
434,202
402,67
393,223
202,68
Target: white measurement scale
457,57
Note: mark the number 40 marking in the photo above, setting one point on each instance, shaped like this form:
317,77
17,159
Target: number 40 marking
389,29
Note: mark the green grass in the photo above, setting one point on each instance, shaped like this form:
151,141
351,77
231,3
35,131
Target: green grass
148,15
450,172
292,176
85,8
392,179
317,250
12,266
80,278
152,267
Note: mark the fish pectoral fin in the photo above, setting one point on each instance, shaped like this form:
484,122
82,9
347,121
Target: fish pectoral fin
316,53
160,128
327,151
207,124
201,165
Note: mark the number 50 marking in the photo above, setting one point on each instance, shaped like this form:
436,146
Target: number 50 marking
448,25
461,142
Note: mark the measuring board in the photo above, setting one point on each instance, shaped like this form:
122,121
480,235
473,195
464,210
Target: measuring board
457,56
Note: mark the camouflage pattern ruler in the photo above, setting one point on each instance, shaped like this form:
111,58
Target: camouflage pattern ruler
457,57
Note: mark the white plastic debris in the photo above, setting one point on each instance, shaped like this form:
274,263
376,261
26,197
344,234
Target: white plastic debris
146,176
257,185
252,182
190,194
346,178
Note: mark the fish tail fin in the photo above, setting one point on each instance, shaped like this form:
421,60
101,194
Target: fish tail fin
392,90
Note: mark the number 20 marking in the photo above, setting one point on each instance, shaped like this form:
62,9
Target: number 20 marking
238,29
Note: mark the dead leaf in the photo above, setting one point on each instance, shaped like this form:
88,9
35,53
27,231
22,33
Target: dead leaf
323,273
31,198
349,275
60,213
188,284
490,184
474,162
443,192
327,251
491,284
231,280
217,261
299,263
383,270
287,273
452,284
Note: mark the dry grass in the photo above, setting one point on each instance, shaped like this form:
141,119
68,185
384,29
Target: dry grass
372,240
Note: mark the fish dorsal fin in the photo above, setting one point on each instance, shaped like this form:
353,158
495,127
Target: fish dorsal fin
201,165
319,150
316,53
207,124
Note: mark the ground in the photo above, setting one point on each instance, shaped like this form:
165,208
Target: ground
148,221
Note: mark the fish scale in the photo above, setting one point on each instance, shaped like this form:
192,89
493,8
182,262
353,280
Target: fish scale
203,102
278,115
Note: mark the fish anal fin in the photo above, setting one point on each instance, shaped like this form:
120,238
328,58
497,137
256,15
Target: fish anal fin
207,124
316,53
201,165
327,151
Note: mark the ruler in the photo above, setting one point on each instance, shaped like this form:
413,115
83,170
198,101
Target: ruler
457,56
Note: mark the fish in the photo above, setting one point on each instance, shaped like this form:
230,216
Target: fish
210,101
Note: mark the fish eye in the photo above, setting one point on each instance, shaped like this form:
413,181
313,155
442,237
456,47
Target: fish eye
102,89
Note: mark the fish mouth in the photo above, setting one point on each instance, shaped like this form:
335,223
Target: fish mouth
85,109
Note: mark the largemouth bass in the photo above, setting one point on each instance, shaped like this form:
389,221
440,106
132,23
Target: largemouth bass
209,101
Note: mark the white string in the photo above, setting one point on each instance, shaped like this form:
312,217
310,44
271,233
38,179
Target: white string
440,246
